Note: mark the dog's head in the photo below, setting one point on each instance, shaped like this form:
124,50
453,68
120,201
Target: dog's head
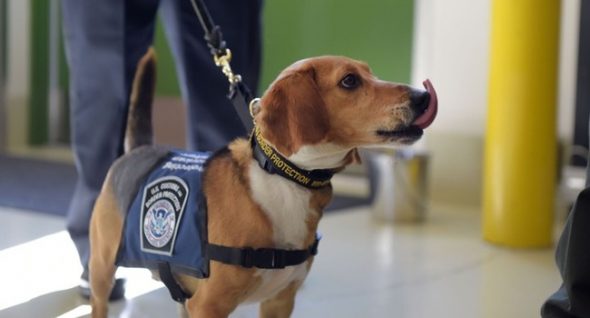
335,104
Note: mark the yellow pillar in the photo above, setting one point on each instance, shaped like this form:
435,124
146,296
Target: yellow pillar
520,152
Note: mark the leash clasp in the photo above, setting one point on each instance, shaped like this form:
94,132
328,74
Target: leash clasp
223,62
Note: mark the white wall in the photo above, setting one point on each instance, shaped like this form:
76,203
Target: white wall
18,47
17,89
452,44
452,48
568,63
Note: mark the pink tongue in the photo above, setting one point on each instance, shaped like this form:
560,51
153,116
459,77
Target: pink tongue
428,117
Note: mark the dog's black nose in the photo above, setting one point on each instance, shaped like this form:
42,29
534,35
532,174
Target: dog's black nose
419,100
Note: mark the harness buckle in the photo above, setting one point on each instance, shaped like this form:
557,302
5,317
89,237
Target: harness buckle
271,258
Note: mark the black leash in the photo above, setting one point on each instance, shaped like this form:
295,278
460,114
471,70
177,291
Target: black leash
241,98
213,34
239,94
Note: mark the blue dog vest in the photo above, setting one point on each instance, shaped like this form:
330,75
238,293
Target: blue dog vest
167,221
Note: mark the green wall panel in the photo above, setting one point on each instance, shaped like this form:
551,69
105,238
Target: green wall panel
64,82
376,31
39,72
167,83
38,121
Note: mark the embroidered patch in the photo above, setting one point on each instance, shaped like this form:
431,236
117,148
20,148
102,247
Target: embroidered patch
162,208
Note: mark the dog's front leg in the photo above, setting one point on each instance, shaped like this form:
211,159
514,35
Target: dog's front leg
198,308
101,278
208,303
105,234
281,305
182,312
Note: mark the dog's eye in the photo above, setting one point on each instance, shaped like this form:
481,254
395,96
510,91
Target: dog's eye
350,81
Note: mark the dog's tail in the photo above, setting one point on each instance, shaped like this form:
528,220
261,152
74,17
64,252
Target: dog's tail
139,119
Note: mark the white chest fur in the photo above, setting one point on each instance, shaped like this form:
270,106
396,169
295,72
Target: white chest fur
287,207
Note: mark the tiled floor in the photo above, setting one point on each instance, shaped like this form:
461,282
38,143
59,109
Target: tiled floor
440,268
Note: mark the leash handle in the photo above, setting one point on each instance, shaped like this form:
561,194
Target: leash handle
239,94
213,34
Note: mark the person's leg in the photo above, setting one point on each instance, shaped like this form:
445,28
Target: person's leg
104,40
212,120
572,300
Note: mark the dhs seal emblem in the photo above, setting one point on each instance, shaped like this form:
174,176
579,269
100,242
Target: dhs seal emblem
162,207
159,223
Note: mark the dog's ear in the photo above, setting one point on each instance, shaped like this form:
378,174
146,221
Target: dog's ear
293,112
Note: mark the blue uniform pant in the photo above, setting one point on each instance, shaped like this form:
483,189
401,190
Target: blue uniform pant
104,41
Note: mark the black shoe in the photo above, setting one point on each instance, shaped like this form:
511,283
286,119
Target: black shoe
118,291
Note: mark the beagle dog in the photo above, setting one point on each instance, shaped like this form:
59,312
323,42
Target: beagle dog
260,198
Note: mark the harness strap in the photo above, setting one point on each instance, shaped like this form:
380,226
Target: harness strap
176,292
267,258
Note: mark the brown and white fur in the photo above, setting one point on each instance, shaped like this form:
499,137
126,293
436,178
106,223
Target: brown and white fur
316,116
